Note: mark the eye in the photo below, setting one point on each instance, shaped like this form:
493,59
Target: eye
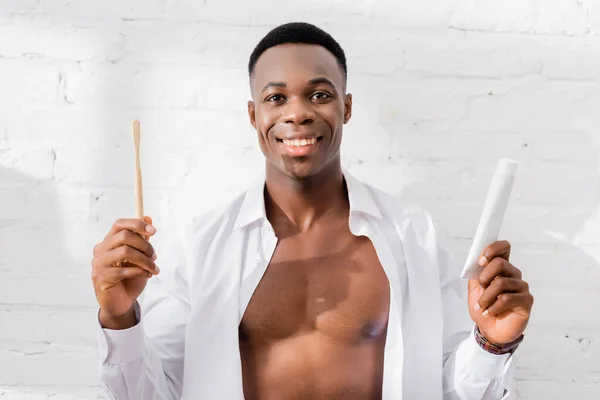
274,98
320,96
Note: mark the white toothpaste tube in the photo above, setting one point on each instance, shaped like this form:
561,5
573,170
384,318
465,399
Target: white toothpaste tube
491,216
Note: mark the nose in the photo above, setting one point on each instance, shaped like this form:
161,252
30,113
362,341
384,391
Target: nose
298,112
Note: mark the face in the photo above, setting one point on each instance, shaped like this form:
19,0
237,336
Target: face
299,108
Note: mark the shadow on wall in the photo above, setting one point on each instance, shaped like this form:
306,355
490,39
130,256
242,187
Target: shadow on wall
43,335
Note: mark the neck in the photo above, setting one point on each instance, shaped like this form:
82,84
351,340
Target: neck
303,202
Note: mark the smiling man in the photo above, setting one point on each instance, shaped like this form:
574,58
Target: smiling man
309,285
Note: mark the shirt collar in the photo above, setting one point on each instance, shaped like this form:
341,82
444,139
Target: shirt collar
253,204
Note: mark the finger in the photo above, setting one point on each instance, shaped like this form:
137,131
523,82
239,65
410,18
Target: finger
499,286
519,302
133,224
112,276
125,254
498,267
147,219
497,249
126,237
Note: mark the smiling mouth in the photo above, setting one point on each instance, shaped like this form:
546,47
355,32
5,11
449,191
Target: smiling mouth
300,142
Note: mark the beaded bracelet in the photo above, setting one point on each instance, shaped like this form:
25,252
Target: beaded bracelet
497,349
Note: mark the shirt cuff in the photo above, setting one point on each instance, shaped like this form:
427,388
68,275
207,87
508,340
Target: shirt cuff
122,346
480,362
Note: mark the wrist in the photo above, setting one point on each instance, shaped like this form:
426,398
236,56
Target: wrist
496,348
118,322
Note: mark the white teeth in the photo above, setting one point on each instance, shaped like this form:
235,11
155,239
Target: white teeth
299,142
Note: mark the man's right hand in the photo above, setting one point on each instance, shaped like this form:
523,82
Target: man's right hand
121,266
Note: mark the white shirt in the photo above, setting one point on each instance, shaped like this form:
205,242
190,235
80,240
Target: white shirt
186,343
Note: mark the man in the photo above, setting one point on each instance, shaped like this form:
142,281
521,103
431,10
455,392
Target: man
311,284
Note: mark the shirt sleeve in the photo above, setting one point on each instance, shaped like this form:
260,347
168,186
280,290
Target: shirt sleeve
470,372
145,362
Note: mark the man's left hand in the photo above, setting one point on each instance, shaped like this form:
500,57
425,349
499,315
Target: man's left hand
499,301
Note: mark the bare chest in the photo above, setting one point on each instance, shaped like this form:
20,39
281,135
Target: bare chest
334,285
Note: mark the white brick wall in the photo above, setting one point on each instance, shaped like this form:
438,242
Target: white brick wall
442,89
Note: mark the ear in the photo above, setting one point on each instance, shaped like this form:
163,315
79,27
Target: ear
252,113
347,108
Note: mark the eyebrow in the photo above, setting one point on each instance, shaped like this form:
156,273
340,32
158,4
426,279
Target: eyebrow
321,79
312,82
274,84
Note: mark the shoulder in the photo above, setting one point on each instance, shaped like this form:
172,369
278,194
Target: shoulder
400,212
416,227
414,224
216,222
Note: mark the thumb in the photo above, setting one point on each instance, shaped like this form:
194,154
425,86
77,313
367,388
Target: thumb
475,291
147,219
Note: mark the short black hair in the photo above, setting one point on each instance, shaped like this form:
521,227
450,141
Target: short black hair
301,33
